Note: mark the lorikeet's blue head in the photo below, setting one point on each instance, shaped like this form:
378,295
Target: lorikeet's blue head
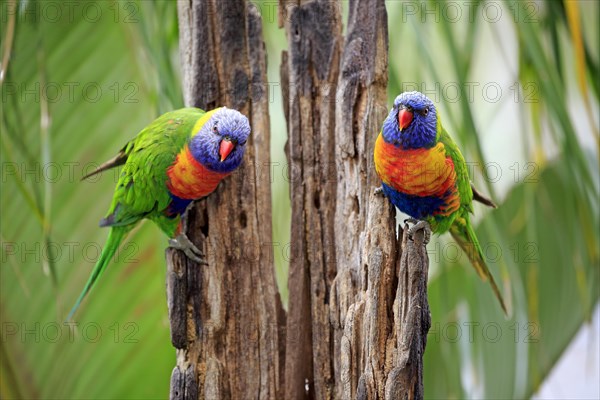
221,142
412,122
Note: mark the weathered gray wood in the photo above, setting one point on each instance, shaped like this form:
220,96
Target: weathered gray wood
359,350
177,297
183,384
412,320
358,314
226,317
365,223
309,75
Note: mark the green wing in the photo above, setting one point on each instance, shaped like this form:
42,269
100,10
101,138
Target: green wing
141,190
463,181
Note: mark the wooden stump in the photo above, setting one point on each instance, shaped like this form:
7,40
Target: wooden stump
227,322
358,314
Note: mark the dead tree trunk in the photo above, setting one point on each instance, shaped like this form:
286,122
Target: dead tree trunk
227,323
365,223
361,304
358,315
309,76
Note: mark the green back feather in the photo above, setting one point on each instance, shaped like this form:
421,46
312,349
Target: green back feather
459,223
463,181
141,190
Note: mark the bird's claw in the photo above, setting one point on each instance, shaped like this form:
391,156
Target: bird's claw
183,243
419,225
378,191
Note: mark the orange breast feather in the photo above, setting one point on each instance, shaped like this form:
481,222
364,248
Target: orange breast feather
418,172
188,179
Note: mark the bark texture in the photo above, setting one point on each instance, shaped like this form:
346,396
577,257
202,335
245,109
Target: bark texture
360,303
358,315
227,323
309,75
412,321
366,280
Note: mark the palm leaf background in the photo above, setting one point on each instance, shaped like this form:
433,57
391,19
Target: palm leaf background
540,135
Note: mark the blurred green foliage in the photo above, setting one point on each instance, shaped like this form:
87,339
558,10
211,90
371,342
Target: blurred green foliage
85,77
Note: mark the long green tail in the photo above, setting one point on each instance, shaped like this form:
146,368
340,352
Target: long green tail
115,237
463,233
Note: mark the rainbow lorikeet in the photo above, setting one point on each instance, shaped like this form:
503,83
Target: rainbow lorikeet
180,157
424,174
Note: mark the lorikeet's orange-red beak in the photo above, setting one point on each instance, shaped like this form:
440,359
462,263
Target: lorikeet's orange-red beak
405,117
225,148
